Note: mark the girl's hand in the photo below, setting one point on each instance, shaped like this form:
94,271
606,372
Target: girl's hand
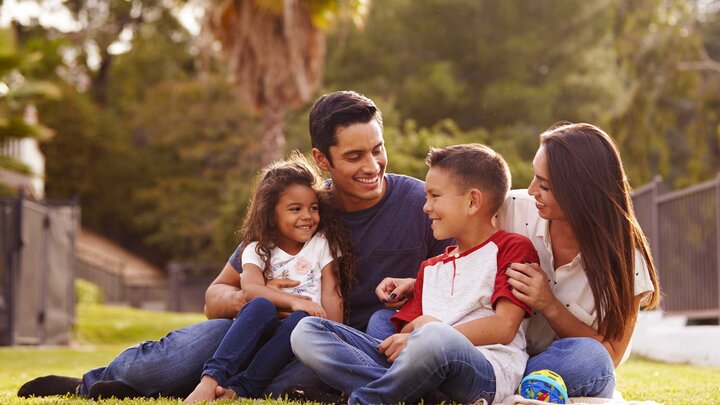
312,308
530,285
393,346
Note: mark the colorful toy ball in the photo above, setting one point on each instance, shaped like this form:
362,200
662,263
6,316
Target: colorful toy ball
544,386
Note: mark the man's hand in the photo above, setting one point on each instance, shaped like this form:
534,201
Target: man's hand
392,346
394,292
280,283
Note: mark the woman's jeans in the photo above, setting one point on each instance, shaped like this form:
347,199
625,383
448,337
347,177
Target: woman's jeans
436,357
584,364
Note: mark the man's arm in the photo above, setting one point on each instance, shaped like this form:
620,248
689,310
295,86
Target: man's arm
223,298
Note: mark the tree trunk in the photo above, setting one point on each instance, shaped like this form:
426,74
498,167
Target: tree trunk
273,141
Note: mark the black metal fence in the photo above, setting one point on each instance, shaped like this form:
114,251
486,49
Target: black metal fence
683,228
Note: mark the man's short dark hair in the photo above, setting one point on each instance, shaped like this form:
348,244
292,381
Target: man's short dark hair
474,166
337,110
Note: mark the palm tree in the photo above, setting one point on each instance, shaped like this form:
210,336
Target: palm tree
16,93
276,50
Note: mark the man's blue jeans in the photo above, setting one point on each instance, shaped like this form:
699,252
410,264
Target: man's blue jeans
254,350
173,365
584,364
436,357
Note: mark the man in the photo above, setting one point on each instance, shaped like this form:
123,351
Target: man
384,215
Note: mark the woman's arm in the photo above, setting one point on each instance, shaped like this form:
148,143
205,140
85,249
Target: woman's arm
331,300
530,286
254,286
395,291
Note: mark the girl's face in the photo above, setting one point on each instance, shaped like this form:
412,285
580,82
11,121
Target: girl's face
297,217
541,189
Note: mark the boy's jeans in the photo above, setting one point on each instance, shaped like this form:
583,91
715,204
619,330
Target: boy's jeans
436,357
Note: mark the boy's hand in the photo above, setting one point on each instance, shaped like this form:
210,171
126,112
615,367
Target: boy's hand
392,346
312,308
394,292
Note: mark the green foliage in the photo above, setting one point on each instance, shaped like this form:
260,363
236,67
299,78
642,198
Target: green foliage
87,292
15,93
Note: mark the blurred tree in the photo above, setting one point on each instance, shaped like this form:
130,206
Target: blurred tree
16,91
276,52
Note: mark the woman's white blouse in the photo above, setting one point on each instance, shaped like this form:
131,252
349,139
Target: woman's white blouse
569,282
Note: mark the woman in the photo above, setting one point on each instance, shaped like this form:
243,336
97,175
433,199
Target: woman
598,271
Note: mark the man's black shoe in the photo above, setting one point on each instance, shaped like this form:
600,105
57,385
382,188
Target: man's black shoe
301,394
50,385
113,388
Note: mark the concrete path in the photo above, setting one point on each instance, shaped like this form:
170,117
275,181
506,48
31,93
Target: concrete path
668,339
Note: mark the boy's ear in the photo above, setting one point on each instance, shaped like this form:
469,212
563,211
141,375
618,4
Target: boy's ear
477,201
321,160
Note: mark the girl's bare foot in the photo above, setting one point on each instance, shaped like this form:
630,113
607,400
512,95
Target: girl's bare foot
224,393
205,391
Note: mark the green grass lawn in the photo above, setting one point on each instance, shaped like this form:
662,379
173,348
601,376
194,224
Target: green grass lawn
104,331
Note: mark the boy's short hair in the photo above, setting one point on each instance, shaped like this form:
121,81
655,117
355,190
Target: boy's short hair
337,110
474,165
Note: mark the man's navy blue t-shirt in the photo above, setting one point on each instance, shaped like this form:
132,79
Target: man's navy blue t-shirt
392,238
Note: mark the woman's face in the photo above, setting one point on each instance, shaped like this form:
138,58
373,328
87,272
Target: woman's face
542,190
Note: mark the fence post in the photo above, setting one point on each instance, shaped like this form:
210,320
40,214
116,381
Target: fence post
717,233
174,270
655,219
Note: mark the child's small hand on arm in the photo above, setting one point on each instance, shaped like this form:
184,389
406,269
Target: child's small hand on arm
312,308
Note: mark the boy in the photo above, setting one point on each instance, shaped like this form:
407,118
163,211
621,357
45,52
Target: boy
462,296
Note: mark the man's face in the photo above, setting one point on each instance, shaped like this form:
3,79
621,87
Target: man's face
358,165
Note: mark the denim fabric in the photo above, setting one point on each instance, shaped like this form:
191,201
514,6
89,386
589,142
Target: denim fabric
254,350
169,367
380,326
436,357
584,364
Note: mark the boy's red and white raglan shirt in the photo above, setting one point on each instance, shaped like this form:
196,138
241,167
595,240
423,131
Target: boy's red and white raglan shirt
458,288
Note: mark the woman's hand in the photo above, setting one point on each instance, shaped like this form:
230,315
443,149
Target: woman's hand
312,308
394,292
530,285
393,346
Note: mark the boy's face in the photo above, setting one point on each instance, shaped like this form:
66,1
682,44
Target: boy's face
358,165
445,204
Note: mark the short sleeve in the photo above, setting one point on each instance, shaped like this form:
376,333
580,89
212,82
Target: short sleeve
513,248
323,250
643,282
250,256
235,260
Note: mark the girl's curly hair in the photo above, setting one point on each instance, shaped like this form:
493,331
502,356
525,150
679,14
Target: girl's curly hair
260,224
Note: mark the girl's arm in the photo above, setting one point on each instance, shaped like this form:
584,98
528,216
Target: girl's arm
331,300
253,284
530,286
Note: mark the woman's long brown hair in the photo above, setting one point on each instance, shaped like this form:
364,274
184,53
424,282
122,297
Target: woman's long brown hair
590,185
260,224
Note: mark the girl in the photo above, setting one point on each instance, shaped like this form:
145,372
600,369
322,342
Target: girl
290,231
